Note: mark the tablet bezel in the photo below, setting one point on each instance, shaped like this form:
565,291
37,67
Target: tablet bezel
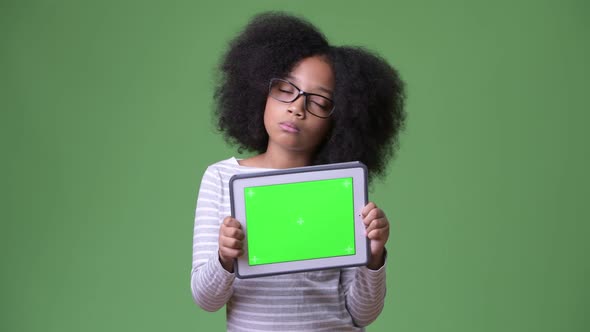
355,170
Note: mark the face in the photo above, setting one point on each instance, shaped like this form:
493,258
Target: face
288,124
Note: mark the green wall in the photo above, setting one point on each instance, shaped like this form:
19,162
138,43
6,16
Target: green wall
106,130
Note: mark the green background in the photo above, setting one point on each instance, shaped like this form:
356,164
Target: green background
297,221
107,129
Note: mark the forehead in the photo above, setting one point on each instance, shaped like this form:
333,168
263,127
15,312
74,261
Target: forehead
313,74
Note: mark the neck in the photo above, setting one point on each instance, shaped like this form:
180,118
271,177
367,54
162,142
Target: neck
279,159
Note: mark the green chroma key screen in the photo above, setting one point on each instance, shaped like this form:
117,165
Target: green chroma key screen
300,221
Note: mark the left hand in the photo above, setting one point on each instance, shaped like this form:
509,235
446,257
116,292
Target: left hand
377,229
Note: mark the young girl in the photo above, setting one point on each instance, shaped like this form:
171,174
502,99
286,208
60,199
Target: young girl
288,95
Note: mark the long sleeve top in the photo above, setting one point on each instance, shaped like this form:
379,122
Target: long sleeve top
344,299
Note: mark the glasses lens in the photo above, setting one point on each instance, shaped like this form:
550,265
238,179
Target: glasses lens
283,91
320,106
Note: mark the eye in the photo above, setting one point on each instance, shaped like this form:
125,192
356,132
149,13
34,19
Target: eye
284,87
320,101
318,105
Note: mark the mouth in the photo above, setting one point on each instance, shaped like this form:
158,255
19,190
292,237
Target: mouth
289,127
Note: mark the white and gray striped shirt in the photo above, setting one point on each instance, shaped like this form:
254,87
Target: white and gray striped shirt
329,300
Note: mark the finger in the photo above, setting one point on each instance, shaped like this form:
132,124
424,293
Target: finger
372,225
373,214
368,218
231,222
379,233
376,224
232,232
370,206
228,254
228,242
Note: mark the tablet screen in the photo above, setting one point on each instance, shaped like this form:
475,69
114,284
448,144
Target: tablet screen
300,221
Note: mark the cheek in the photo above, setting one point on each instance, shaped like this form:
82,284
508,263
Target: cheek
322,129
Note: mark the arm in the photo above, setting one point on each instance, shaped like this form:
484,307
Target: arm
211,284
364,287
364,293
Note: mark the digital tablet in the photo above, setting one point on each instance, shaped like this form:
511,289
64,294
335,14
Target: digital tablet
301,219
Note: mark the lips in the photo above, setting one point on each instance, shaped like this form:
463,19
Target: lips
289,127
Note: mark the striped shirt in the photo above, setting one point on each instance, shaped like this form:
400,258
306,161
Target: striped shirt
328,300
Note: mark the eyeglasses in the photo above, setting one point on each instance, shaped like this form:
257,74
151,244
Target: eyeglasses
286,92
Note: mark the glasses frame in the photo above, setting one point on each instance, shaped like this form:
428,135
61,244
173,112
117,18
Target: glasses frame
299,94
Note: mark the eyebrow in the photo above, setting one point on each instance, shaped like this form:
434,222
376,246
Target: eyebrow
321,88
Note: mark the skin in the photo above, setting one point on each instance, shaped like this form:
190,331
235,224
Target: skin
294,136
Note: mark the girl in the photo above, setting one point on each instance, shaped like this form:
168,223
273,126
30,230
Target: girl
288,95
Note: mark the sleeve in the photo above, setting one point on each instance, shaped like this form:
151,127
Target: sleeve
211,284
364,291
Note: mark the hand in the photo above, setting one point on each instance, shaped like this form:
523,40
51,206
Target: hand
377,230
230,242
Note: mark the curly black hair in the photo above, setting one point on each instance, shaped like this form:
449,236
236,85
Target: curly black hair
368,94
369,98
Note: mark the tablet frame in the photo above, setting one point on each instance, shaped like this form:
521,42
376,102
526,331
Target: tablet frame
355,170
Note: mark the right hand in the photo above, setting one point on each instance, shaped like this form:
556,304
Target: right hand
230,242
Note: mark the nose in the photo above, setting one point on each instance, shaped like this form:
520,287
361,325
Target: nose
297,107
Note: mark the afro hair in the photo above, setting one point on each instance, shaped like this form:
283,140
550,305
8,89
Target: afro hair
368,95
